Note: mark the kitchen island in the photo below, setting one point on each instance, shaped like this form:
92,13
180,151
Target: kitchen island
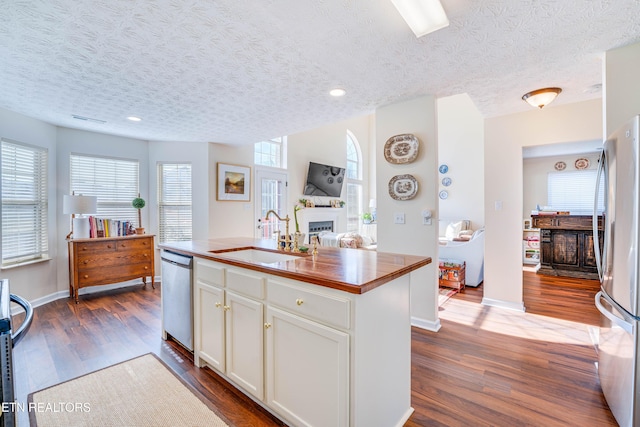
317,341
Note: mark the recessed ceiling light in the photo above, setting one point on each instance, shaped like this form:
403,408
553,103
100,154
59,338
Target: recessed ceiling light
337,92
134,119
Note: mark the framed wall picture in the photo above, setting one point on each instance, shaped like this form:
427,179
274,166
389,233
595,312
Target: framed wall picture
234,183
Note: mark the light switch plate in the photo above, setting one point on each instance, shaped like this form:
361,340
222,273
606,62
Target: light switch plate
398,218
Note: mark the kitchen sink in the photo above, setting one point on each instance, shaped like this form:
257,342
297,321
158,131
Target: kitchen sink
257,255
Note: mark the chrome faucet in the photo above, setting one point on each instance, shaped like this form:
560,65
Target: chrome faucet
287,239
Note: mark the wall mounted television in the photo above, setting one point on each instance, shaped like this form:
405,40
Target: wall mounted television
324,180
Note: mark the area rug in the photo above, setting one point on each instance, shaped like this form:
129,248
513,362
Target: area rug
444,294
138,392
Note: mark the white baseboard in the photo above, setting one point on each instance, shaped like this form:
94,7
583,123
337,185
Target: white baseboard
37,302
504,304
433,326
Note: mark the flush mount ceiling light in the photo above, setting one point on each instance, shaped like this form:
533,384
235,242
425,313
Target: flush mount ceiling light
422,16
541,97
337,92
134,119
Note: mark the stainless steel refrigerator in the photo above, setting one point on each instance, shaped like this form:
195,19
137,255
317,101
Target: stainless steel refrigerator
618,299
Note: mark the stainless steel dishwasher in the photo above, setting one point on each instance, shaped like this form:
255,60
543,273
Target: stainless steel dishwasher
177,298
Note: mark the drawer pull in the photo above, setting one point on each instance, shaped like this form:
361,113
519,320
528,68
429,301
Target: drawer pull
86,261
227,308
109,246
299,301
267,325
146,267
218,305
86,276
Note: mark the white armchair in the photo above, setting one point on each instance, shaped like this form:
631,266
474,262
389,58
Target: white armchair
471,252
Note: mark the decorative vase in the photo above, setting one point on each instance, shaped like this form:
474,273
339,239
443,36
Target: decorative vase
299,237
140,230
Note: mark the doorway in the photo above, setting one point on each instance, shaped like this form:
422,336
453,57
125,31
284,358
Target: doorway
271,194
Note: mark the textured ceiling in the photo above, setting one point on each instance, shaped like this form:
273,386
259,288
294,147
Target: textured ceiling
242,71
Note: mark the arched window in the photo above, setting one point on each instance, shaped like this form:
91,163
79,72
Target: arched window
354,182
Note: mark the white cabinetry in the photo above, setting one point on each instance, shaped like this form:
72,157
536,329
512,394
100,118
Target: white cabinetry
312,355
228,326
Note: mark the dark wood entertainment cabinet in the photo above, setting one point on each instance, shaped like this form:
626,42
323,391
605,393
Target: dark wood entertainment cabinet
567,245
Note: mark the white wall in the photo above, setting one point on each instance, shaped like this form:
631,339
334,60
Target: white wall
504,138
230,218
621,86
417,117
327,145
461,147
35,280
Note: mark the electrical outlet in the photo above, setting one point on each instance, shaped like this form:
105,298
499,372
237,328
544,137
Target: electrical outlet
398,218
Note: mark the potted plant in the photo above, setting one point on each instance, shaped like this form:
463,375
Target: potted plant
367,218
139,203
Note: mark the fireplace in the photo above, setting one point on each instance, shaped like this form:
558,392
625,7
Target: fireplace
316,227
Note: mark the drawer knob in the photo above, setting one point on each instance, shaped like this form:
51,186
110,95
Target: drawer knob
146,267
299,301
218,305
86,276
227,308
86,261
267,325
109,246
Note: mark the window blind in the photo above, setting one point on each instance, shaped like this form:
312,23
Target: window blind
24,203
113,181
174,202
574,191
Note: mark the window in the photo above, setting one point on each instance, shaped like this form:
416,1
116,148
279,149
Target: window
24,203
174,202
574,191
354,183
114,181
271,153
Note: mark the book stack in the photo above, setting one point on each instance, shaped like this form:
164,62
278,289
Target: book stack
104,227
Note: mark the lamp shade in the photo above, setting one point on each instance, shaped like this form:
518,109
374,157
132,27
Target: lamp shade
79,204
541,97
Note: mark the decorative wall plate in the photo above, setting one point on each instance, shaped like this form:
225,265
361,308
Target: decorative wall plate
582,163
401,149
446,181
443,194
403,187
560,166
443,168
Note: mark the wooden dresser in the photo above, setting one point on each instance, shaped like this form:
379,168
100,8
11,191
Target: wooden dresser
567,245
107,260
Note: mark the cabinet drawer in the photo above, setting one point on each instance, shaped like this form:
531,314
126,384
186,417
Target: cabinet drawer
95,247
134,244
325,308
94,260
209,272
247,284
91,276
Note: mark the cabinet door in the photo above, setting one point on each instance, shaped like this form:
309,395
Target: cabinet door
588,254
565,246
307,370
209,325
245,343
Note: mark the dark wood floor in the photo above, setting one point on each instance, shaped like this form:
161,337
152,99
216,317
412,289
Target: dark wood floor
485,367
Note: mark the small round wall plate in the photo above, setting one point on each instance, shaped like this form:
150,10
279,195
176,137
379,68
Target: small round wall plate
443,168
582,163
560,166
446,181
403,187
443,194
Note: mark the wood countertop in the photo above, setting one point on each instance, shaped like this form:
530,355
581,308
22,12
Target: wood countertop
351,270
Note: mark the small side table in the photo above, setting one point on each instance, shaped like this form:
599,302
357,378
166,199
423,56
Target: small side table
451,274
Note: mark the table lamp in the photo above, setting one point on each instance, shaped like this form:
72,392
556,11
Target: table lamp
79,205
